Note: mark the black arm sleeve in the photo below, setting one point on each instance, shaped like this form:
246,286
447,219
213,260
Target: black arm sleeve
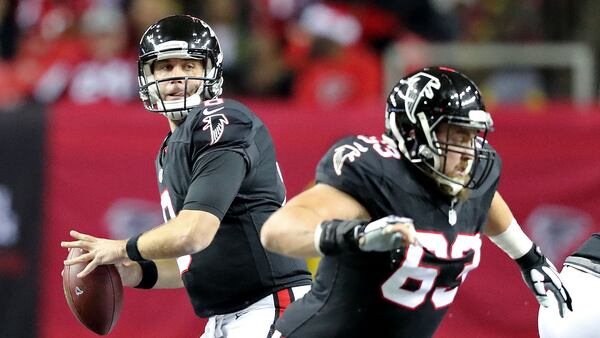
216,180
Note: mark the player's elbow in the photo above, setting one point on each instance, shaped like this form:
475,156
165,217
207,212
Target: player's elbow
191,242
199,232
270,234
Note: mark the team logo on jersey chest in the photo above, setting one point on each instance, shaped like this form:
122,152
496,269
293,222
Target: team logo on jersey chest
346,152
216,123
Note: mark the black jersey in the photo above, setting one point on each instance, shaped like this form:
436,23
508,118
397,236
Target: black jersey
221,160
399,294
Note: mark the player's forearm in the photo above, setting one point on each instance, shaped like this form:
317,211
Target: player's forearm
513,241
168,274
290,231
188,233
163,274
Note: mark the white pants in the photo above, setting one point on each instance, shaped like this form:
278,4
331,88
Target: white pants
255,321
584,321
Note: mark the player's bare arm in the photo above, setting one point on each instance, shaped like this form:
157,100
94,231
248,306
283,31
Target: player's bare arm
499,216
291,230
294,230
191,231
539,273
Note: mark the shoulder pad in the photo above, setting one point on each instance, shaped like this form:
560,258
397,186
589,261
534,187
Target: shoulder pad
354,159
218,123
350,154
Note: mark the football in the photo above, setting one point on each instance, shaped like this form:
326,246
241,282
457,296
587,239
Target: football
96,299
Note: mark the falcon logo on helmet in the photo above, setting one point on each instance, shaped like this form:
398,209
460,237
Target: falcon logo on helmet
416,87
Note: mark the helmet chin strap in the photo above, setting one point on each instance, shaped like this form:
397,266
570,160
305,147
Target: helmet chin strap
451,188
174,109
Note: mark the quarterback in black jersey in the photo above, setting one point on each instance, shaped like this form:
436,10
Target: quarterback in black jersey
218,181
581,272
399,218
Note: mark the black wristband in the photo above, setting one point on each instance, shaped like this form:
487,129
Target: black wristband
338,236
132,250
149,275
532,258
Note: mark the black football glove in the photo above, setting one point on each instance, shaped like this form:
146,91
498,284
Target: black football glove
360,235
542,277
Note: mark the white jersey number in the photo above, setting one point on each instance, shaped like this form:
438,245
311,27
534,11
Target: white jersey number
167,206
168,211
413,269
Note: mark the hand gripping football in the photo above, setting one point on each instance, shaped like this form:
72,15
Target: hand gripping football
96,299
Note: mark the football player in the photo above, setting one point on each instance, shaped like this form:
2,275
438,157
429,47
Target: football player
581,272
218,180
435,169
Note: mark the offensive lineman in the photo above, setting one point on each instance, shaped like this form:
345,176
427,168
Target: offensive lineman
434,168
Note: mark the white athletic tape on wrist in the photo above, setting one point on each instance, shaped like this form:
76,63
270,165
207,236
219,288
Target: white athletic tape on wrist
317,239
513,241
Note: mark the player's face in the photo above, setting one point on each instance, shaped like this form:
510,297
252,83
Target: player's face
174,89
459,149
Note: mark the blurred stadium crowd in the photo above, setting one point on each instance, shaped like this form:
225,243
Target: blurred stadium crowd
320,52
